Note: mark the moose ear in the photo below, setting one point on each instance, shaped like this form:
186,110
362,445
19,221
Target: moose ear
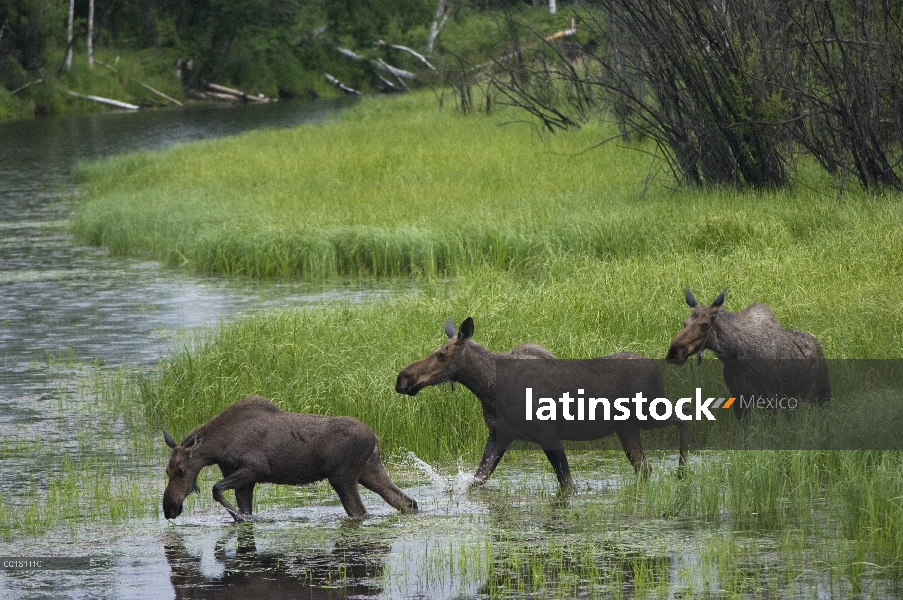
688,296
720,299
169,440
466,330
449,328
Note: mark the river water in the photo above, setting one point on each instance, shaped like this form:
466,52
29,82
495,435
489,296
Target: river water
62,301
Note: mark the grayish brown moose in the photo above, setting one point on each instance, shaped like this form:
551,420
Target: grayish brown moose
760,357
254,441
463,360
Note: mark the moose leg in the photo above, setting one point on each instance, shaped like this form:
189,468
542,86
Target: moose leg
633,447
346,487
555,453
238,479
244,497
375,478
684,429
495,450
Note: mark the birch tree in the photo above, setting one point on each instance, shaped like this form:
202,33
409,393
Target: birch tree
90,33
69,35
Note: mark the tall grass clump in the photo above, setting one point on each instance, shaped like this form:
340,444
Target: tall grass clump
344,358
398,187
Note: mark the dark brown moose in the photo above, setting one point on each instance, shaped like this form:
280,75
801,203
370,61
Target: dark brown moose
254,441
463,360
760,358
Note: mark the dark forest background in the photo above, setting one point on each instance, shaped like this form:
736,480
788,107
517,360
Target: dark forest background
732,92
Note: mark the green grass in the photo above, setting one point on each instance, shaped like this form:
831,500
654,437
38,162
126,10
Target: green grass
398,186
128,69
343,358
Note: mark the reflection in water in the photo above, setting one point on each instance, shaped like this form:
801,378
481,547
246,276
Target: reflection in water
350,569
583,569
541,548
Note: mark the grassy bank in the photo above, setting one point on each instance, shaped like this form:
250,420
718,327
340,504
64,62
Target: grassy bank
343,359
399,187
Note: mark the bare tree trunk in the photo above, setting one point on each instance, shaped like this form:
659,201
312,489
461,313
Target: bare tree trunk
91,33
69,35
438,23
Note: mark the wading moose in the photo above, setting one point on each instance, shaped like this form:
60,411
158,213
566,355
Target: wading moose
464,361
254,441
760,358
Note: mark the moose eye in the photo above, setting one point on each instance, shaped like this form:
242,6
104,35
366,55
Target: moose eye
703,326
442,355
181,473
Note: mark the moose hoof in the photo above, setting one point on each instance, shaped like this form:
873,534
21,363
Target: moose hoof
239,517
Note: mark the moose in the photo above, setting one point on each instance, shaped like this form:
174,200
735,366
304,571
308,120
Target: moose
759,356
254,441
489,376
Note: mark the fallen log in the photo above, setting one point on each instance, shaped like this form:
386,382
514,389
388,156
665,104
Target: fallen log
506,57
240,95
379,64
563,34
161,94
391,86
348,90
350,53
414,53
222,96
400,73
108,101
105,65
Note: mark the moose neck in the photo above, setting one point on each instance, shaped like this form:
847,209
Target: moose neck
477,372
726,338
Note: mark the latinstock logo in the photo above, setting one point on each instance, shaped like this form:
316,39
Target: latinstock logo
621,409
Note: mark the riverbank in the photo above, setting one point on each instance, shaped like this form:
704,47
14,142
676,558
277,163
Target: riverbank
291,59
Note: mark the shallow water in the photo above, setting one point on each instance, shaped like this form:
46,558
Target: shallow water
516,538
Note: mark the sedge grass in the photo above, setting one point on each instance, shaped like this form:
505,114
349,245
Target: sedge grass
401,187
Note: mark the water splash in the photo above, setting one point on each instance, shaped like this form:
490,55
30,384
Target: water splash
435,477
463,480
457,485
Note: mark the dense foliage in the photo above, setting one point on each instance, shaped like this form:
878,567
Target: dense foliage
730,90
274,47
